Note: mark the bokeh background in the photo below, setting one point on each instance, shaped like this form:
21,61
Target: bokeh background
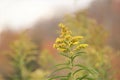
28,29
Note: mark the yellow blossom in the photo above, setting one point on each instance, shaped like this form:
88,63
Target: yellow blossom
58,40
61,25
54,46
81,46
76,43
62,45
67,41
67,37
76,38
61,49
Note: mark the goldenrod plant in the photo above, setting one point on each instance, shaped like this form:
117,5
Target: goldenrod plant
71,47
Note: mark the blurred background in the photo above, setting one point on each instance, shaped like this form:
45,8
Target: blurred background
28,29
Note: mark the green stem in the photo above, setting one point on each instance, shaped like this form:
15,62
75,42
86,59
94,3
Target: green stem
72,66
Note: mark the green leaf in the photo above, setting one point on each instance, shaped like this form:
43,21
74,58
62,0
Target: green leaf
77,54
77,71
91,70
64,64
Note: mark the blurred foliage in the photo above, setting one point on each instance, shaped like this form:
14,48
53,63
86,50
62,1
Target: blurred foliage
23,58
95,36
23,52
1,77
46,60
39,75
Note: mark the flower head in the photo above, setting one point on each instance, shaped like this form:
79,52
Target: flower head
66,41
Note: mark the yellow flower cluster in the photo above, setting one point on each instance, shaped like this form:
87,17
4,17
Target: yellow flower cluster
81,46
65,42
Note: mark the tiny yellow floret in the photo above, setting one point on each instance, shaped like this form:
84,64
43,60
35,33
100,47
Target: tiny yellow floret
83,45
58,40
61,25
